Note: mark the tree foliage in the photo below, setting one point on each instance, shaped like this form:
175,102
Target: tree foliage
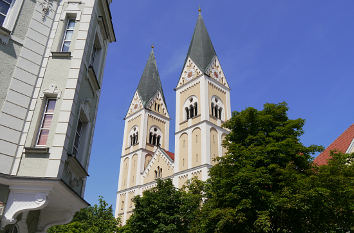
165,208
93,219
267,181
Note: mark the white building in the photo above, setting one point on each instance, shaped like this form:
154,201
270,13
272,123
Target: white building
202,105
52,55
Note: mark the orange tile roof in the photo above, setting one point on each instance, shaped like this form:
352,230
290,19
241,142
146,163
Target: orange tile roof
341,144
172,155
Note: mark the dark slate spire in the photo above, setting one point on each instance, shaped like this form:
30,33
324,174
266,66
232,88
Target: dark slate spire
150,82
201,50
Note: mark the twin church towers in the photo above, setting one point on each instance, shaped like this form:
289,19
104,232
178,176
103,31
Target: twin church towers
202,105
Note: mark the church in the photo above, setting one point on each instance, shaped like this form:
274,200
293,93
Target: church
202,105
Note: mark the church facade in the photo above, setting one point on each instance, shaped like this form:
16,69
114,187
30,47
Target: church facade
202,105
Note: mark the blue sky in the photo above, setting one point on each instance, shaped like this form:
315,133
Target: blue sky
301,52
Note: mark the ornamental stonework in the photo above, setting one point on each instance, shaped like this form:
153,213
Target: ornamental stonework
214,71
189,72
135,105
157,99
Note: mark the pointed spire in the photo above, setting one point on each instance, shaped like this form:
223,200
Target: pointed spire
150,82
201,49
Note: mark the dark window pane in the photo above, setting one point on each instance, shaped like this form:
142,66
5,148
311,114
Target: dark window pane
2,19
75,151
4,7
77,140
79,127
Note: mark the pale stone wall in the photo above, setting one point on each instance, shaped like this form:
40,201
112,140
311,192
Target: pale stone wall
148,157
196,147
23,56
182,180
134,170
159,162
213,145
183,152
124,173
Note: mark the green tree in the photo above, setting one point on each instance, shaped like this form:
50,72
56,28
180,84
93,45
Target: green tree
93,219
165,208
268,183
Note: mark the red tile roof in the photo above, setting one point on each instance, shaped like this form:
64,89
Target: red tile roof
341,144
172,155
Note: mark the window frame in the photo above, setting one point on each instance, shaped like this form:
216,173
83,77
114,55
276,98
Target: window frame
40,128
69,19
76,149
190,107
217,108
155,136
12,15
8,10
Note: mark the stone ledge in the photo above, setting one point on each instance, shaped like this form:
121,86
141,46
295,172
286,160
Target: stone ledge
37,150
61,54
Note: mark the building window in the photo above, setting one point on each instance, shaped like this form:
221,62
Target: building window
4,8
191,108
217,108
155,136
78,135
47,118
158,172
133,136
69,31
96,56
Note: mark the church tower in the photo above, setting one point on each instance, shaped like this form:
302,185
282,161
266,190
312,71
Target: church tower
202,105
146,139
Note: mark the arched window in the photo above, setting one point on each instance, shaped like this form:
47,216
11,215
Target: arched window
158,140
148,158
133,136
150,138
158,172
217,108
216,111
191,111
154,140
155,136
191,108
